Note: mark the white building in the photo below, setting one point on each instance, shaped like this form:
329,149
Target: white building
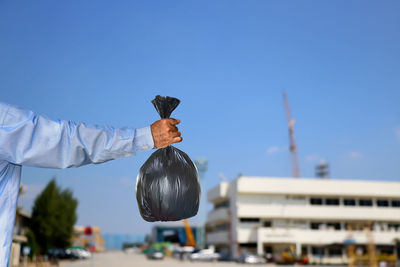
312,217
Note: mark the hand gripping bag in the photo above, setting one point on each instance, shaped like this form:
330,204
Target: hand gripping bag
167,186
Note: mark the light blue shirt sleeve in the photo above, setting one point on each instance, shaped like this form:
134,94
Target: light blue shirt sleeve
33,140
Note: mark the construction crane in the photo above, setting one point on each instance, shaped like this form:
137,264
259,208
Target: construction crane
201,165
190,242
294,159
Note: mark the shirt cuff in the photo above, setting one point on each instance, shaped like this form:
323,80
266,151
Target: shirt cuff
143,139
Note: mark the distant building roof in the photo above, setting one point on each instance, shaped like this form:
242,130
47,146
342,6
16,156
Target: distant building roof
24,213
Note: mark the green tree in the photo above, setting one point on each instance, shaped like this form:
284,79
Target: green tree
53,217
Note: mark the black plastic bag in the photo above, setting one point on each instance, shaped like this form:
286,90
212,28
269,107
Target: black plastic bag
168,187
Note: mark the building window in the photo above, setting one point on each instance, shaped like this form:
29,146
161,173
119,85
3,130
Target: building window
267,224
304,251
357,226
222,227
249,220
349,202
317,251
382,203
268,249
334,225
315,225
248,245
332,201
335,251
386,250
349,226
365,202
224,204
315,201
396,203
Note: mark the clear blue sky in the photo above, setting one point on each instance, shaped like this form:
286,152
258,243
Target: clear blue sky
228,61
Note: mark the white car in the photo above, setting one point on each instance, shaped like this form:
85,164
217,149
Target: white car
251,259
79,253
204,255
155,255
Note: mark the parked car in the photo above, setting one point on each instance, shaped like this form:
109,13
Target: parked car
78,253
155,255
56,254
182,253
251,259
61,254
204,255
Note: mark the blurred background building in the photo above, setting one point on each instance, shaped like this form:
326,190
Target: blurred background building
80,239
316,218
19,239
176,233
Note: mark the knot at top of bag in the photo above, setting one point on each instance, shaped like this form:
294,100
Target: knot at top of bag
165,105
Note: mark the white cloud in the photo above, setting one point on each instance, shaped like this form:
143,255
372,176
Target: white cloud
355,155
275,149
314,158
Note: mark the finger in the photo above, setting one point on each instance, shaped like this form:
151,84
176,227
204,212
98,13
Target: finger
173,121
173,135
177,139
173,129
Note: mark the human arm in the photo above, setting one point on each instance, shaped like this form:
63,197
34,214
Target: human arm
33,140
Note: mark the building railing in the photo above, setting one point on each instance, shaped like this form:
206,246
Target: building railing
305,212
218,193
219,237
308,236
218,215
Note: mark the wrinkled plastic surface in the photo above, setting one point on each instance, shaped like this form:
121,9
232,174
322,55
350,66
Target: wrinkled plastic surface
168,187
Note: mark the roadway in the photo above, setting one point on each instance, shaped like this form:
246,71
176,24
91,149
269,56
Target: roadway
121,259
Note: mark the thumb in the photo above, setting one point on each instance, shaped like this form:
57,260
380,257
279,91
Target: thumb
177,139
